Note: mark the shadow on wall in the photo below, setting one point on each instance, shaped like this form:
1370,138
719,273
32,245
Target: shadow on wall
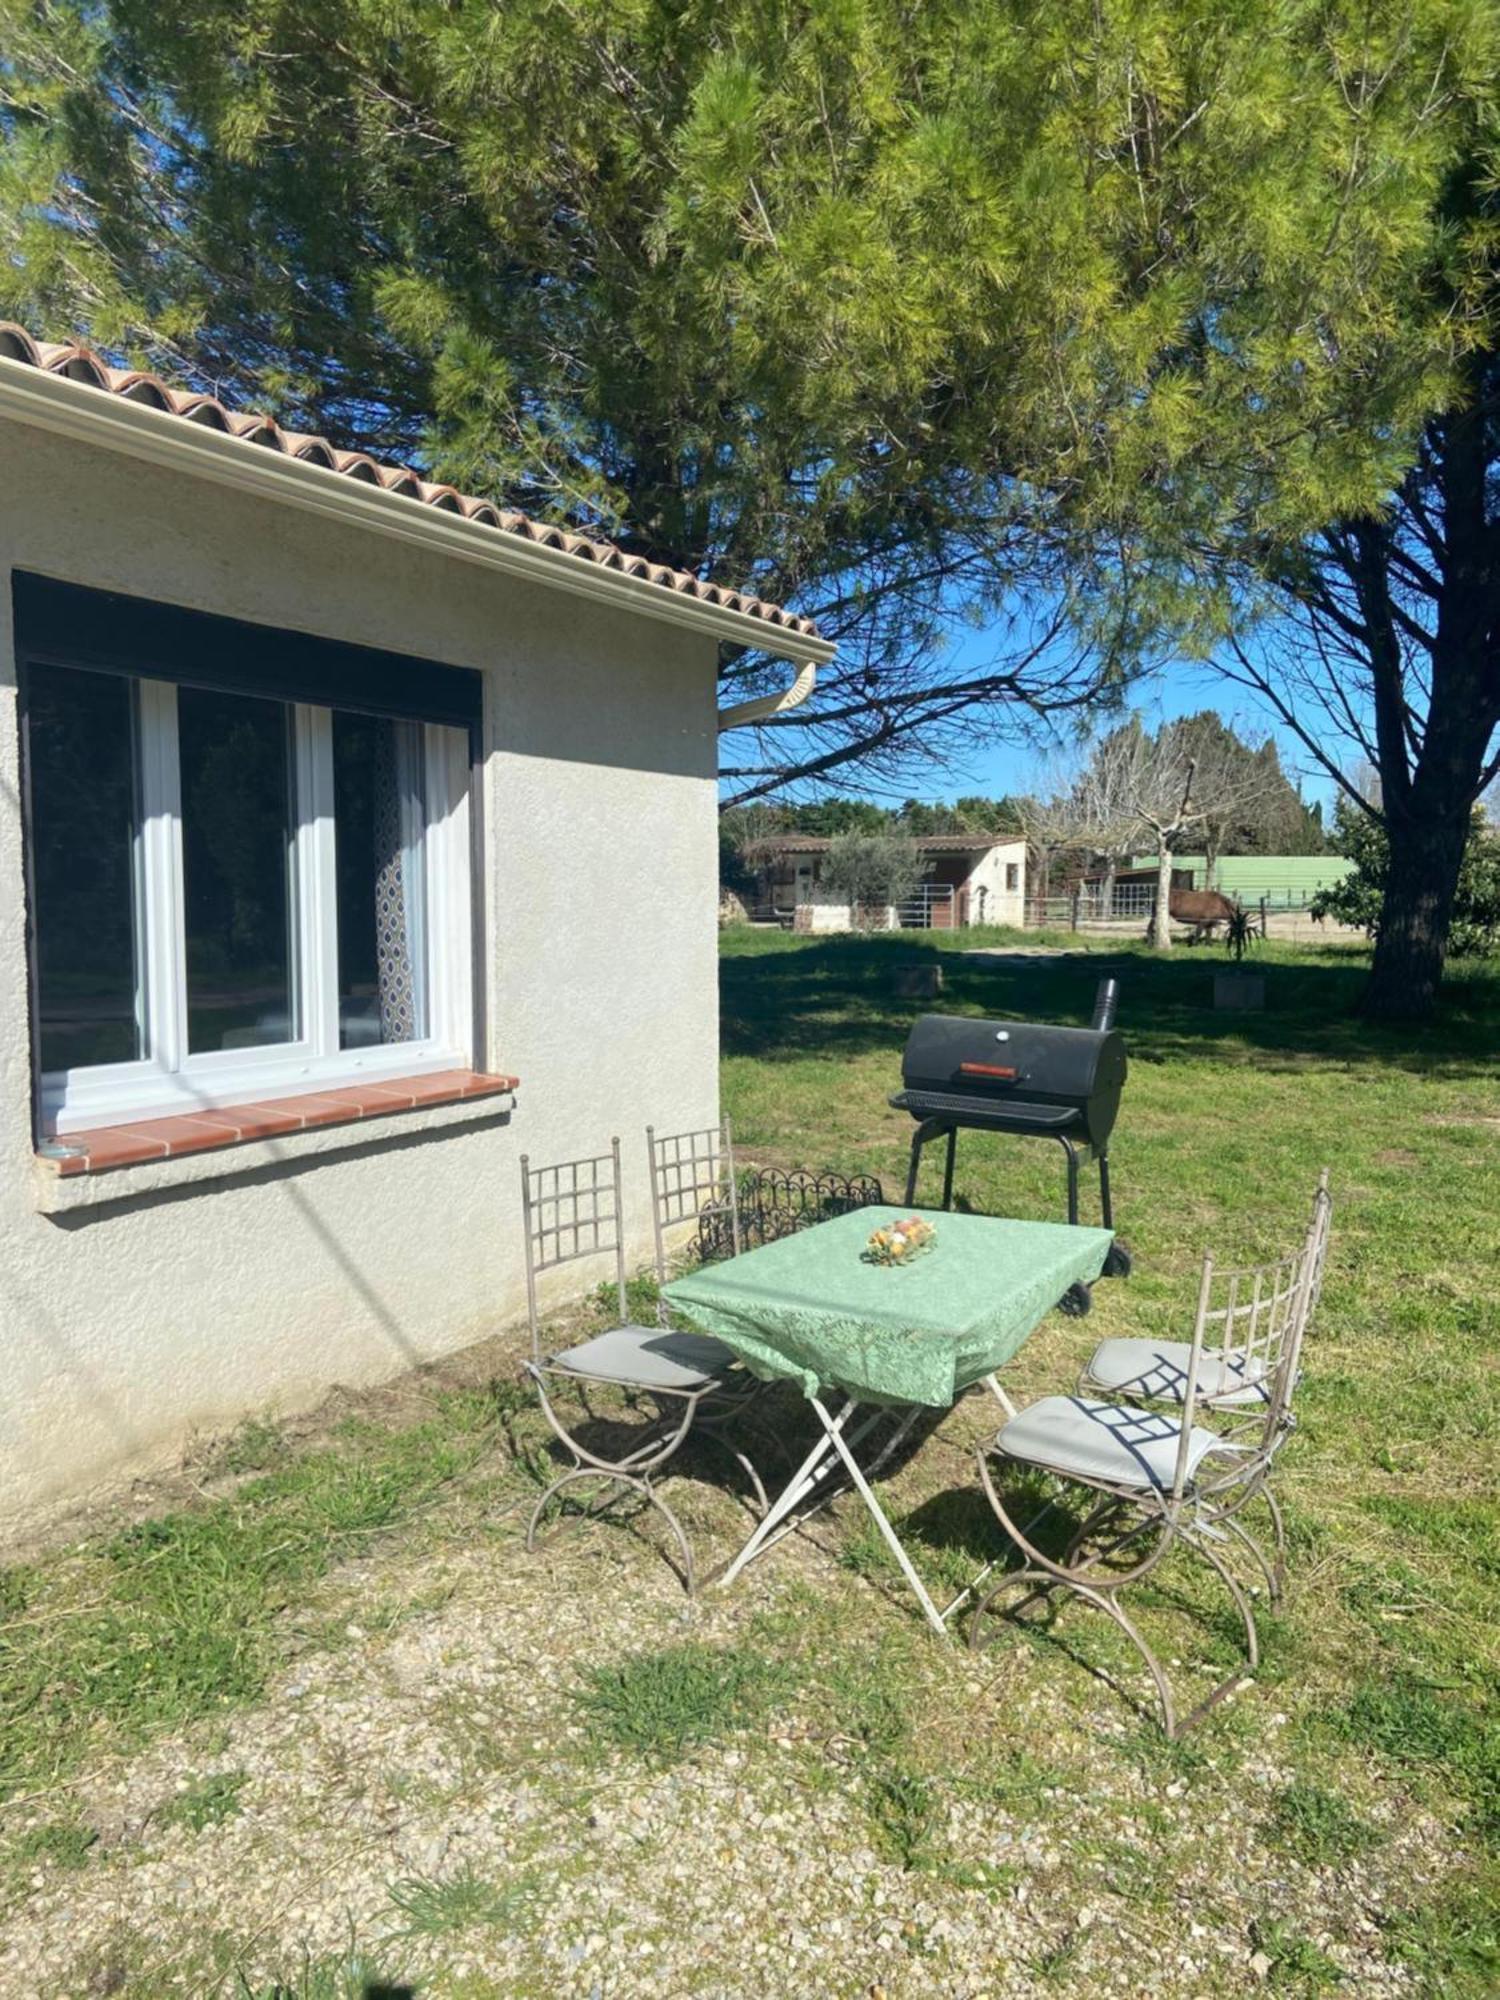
836,997
23,1308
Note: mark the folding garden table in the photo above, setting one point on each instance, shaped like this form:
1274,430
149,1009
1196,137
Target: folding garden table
811,1309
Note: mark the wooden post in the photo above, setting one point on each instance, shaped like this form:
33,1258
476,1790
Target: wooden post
1263,930
1077,904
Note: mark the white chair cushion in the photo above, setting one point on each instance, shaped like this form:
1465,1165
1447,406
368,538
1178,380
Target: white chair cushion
1112,1442
647,1357
1156,1371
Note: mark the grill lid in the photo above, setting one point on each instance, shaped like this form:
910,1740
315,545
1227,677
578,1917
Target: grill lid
1020,1075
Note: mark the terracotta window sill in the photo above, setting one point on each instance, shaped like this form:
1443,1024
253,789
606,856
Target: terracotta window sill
153,1139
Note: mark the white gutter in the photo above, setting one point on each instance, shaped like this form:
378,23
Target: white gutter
95,416
770,704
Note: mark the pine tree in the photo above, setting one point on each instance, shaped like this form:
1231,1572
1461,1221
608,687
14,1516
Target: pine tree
1021,313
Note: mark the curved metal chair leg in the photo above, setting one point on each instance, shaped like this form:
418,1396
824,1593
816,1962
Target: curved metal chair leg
1228,1512
1092,1520
646,1458
1236,1591
1231,1524
712,1431
641,1486
618,1485
1041,1561
1100,1588
1039,1584
1278,1530
1229,1685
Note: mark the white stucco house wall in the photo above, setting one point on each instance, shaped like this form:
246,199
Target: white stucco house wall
266,1075
971,879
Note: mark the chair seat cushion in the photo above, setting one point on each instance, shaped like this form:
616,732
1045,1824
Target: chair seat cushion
1114,1443
1157,1371
647,1357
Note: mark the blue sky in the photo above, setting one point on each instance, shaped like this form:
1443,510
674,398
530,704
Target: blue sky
1181,689
1008,763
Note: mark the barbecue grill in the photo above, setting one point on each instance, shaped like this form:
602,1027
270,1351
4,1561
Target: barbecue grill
1026,1079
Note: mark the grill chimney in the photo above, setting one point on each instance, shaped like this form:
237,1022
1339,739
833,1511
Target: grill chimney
1106,1005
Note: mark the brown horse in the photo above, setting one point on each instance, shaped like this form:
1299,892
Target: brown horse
1203,909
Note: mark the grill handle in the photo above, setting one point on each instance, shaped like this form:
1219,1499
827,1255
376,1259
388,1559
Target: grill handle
1106,1005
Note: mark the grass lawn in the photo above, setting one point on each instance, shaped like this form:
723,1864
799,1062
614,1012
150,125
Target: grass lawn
321,1723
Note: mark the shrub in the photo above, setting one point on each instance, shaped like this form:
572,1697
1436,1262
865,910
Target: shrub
1358,899
869,871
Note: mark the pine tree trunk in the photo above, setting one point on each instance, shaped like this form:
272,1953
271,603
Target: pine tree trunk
1160,933
1420,883
1427,813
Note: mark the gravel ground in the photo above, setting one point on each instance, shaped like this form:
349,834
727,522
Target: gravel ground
450,1748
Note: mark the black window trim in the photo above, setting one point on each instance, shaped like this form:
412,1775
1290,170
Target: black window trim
70,625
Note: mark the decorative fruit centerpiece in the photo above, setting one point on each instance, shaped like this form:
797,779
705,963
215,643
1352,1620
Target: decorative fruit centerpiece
900,1242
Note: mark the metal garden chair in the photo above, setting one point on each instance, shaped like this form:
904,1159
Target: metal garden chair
693,1180
1236,1372
572,1211
1160,1478
1258,1313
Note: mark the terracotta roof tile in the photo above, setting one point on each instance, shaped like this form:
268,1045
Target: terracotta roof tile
81,364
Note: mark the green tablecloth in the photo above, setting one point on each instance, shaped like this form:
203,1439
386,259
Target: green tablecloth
808,1309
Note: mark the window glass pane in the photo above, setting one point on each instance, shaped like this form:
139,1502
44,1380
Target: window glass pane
379,816
83,824
234,755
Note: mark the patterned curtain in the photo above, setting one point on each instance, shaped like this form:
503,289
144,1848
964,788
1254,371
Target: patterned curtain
395,770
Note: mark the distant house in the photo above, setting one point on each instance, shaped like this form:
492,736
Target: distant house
972,878
332,803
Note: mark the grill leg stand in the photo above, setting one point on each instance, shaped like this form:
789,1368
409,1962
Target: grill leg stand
948,1167
1106,1208
1072,1152
913,1166
930,1128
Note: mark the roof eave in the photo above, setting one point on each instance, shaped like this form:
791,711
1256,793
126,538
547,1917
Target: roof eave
93,416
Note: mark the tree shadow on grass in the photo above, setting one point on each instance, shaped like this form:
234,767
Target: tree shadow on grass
835,997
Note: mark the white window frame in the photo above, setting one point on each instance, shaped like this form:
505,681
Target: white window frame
169,1081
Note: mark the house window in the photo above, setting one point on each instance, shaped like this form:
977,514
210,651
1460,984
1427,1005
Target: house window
236,896
1012,875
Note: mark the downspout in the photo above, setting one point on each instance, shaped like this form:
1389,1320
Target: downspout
771,704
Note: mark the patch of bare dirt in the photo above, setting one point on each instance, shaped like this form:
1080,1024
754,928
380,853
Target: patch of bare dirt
205,1471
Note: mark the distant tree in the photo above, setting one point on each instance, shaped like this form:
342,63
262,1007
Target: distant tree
915,817
736,870
1108,814
1360,898
741,826
870,872
837,815
1174,788
1257,809
979,815
1058,819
